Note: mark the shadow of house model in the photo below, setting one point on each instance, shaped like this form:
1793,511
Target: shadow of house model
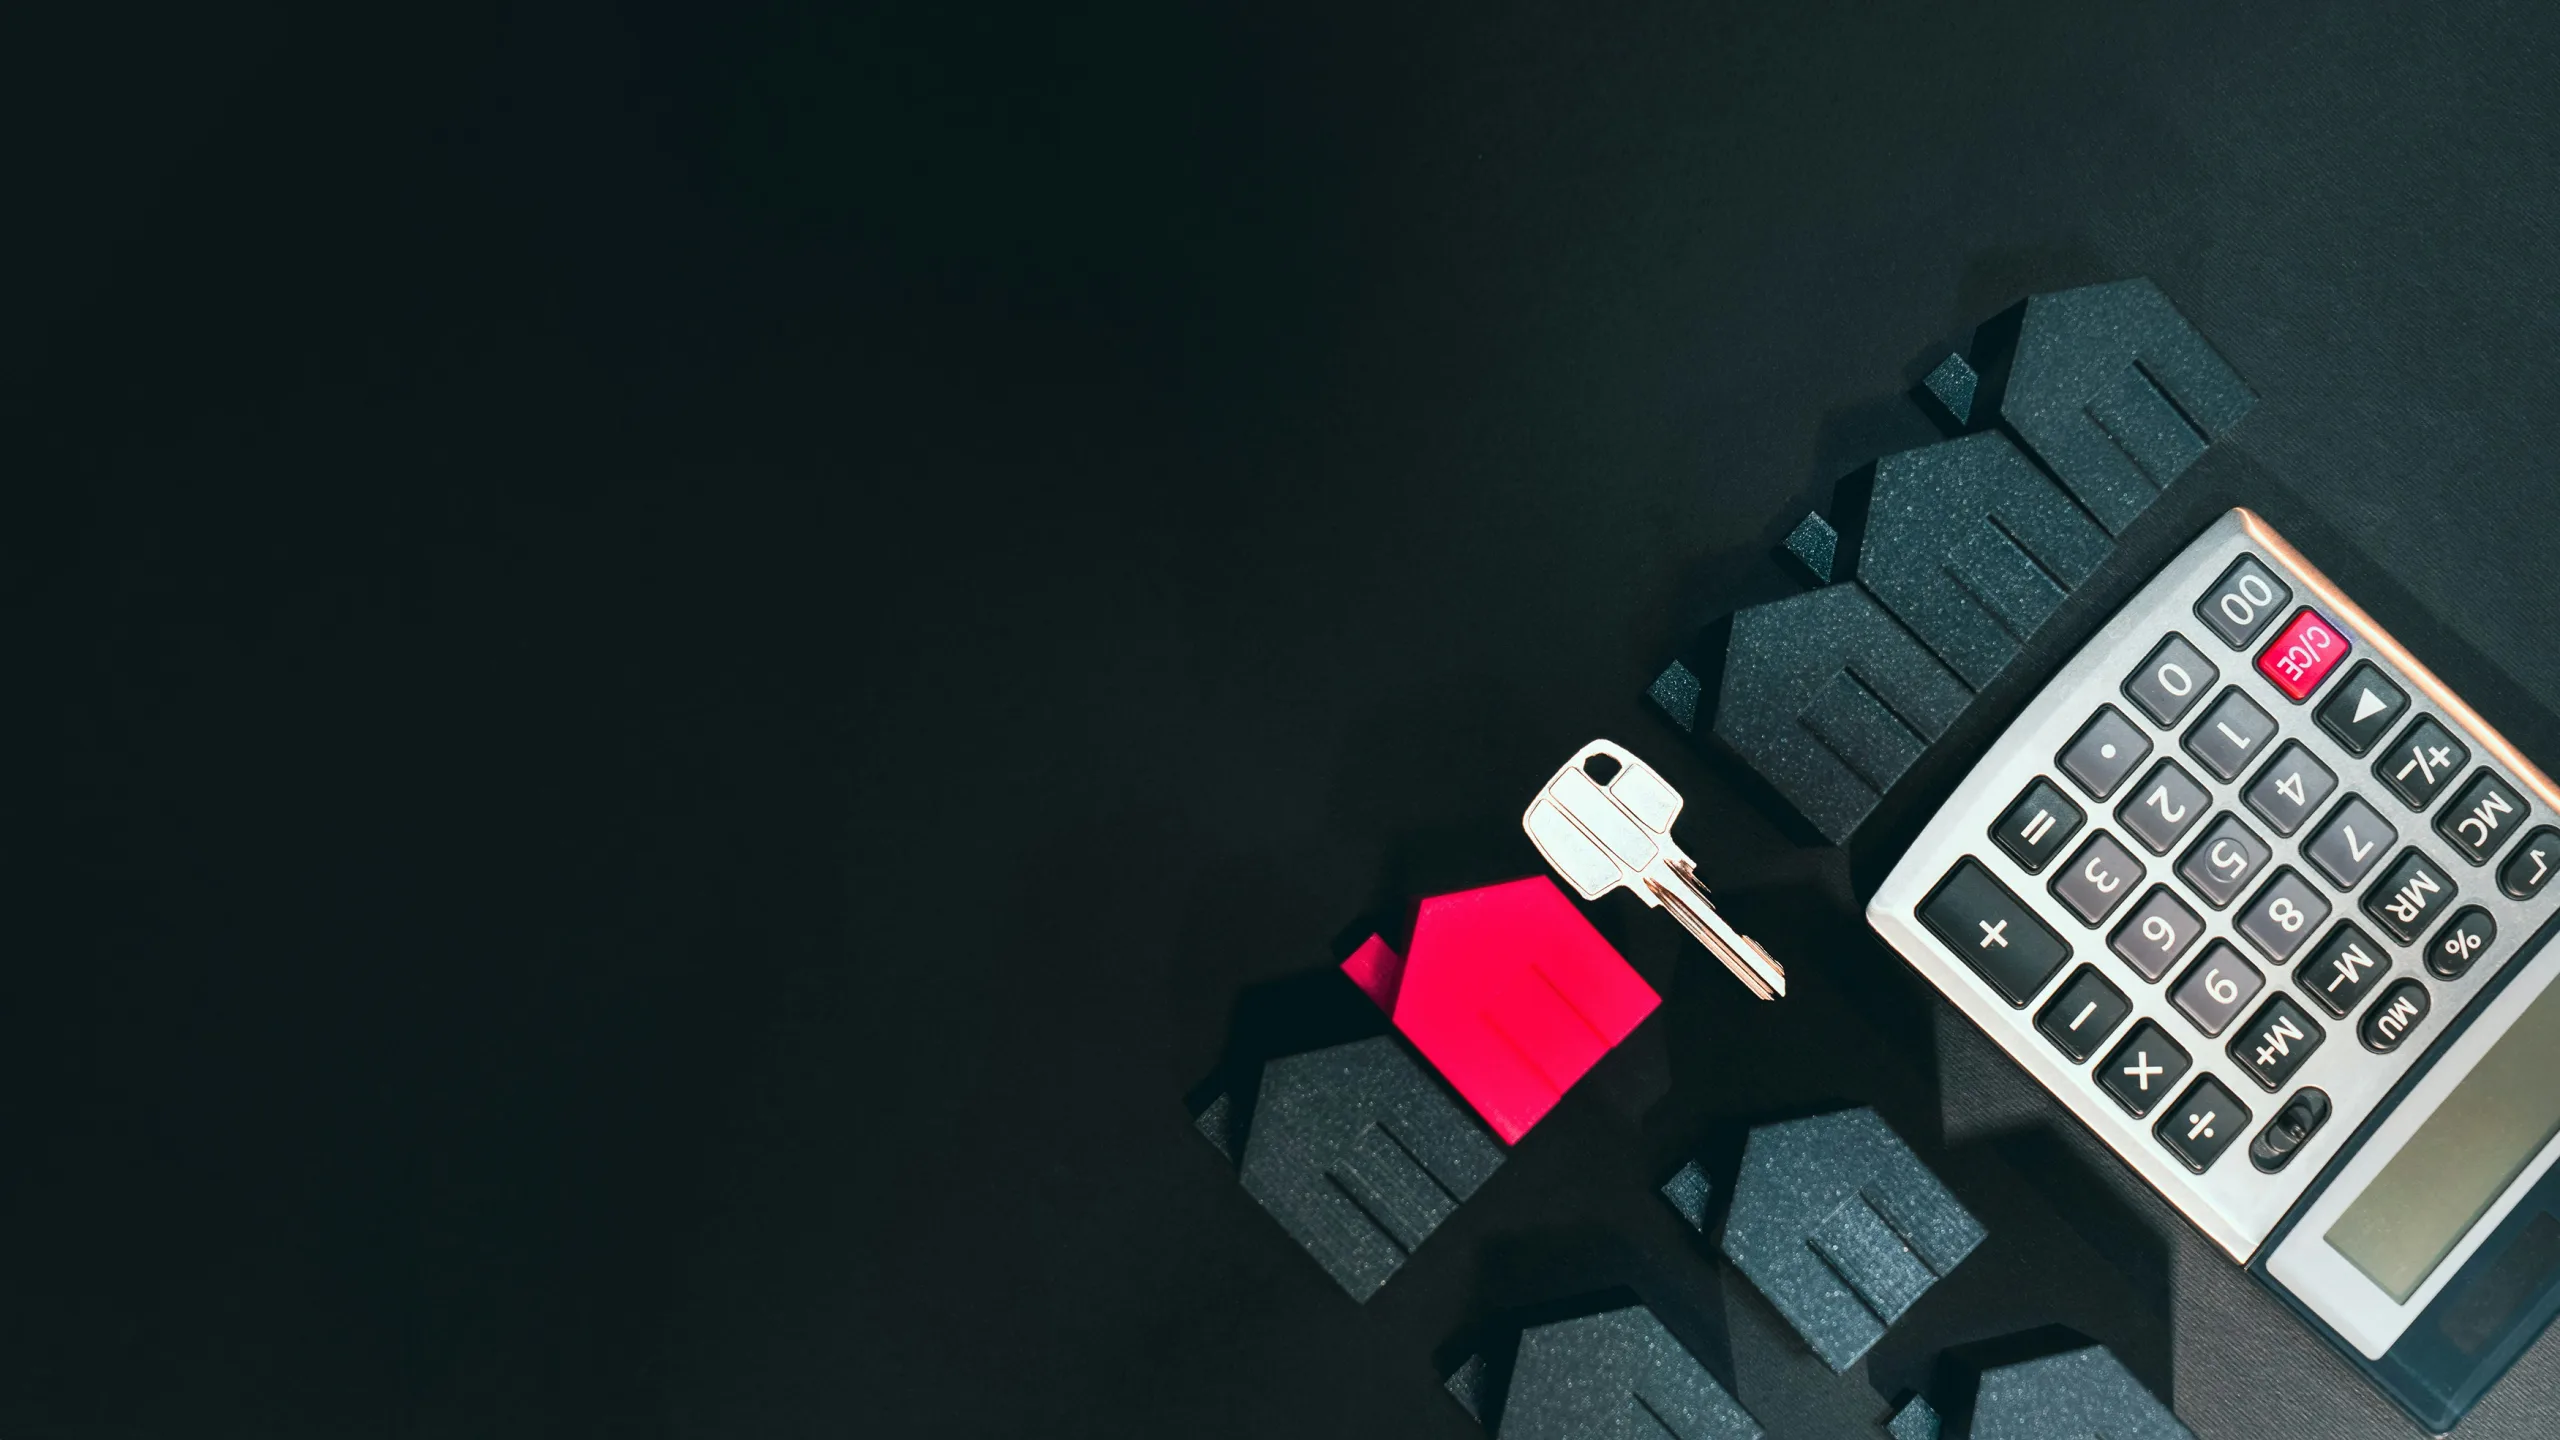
1950,557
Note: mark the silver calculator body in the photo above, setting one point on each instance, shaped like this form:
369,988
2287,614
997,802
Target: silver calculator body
2265,905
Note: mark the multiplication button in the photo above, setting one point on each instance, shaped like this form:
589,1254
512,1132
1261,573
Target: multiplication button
2481,817
2001,939
2203,1124
2242,602
2170,682
2530,868
2144,1069
2040,822
2358,712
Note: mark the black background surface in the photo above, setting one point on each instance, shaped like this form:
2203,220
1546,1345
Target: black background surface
675,665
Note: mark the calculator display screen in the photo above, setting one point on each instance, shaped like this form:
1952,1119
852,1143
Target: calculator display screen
2490,1126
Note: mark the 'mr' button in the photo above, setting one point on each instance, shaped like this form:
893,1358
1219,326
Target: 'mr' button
2302,655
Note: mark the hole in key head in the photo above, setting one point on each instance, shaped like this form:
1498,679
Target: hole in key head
1601,768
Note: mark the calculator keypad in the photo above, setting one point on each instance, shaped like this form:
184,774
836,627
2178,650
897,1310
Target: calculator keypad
2354,840
2104,752
2290,789
2242,789
2164,807
2420,763
2221,865
2171,681
2231,735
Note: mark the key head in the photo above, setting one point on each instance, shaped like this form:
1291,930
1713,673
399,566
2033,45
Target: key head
1601,835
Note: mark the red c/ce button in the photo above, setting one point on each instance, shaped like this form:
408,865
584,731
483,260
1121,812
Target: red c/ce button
2298,659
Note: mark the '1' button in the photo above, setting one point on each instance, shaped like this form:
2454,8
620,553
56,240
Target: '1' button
2302,656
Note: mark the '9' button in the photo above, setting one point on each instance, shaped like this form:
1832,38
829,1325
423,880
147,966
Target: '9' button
2299,658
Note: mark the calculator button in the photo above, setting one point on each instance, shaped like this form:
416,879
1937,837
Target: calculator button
2275,1042
2098,879
2409,896
2167,804
2084,1014
2217,987
2242,602
2300,658
2460,944
2230,735
2170,683
2291,787
2037,827
2222,864
2343,969
2105,751
2144,1068
2393,1017
2157,932
2285,914
2001,939
2285,1135
2421,762
2354,841
2203,1124
2361,709
2481,817
2529,869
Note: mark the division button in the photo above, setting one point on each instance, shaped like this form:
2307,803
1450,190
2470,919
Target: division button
2482,817
2038,825
2355,839
2242,602
2421,762
2460,944
2300,658
2098,879
2104,752
2144,1069
2529,869
2275,1042
2217,987
2000,938
2167,804
2343,969
2409,897
2203,1124
2287,912
2169,683
2157,932
2223,863
2293,1127
2231,735
2393,1017
2291,787
2360,710
2084,1014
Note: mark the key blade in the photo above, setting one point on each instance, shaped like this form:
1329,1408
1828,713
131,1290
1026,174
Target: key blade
1686,899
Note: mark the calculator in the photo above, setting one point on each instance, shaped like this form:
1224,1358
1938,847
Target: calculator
2267,907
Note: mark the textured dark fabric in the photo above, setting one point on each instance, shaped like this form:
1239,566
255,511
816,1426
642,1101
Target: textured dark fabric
675,669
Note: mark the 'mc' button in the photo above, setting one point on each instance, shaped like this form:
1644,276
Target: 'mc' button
2302,655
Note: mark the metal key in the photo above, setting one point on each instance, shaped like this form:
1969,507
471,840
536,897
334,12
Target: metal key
1602,837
